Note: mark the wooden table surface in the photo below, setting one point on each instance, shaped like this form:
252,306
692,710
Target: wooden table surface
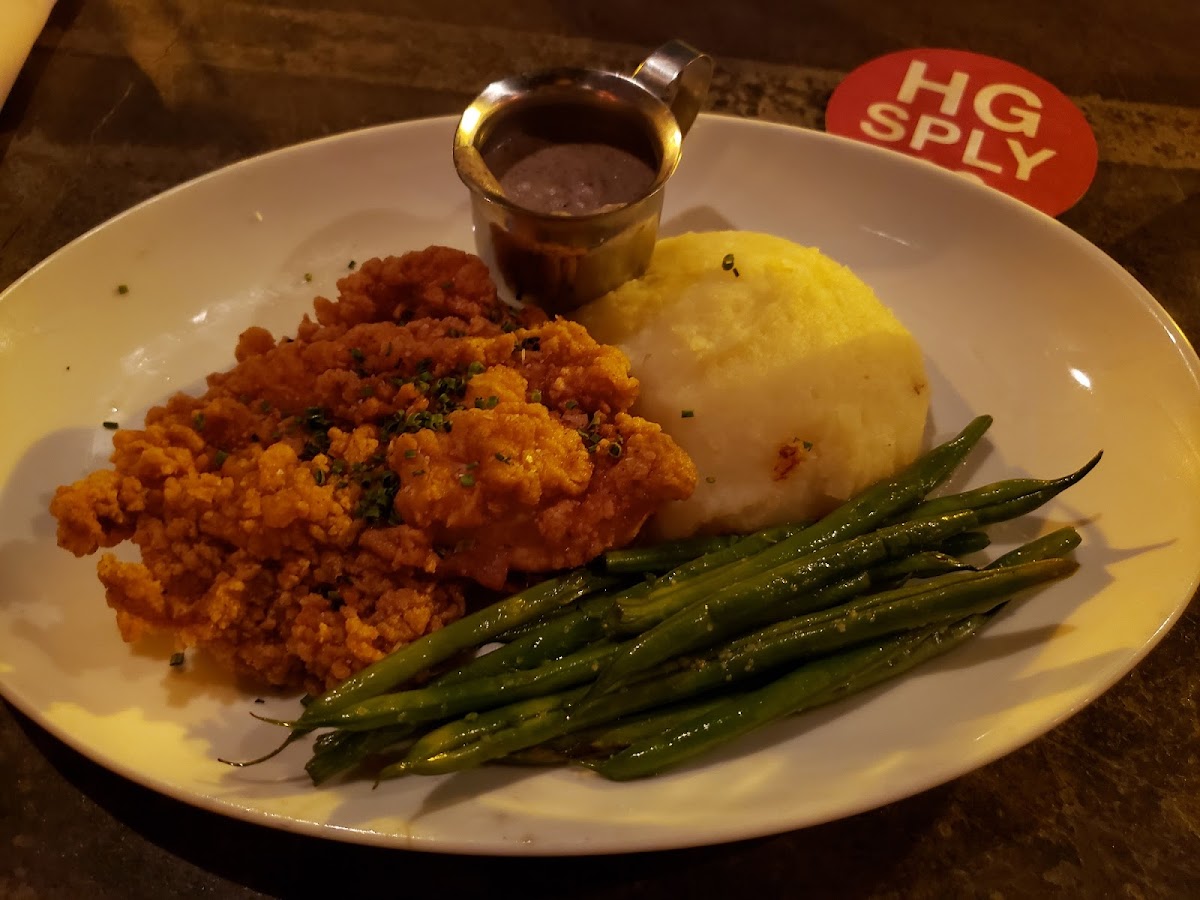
122,99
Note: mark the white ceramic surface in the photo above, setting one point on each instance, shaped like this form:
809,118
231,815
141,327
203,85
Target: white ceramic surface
1019,318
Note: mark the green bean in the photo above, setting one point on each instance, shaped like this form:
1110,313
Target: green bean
506,730
440,701
565,634
753,598
602,741
487,693
545,756
917,565
553,640
520,631
967,542
831,595
929,596
802,688
337,752
856,517
637,610
1048,546
955,631
327,740
455,754
469,631
657,744
938,599
665,556
442,749
1002,500
748,545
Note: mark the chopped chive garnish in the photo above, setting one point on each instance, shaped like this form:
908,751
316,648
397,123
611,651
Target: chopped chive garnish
319,476
410,454
475,368
570,404
808,445
687,413
111,426
122,289
198,421
466,479
219,459
711,479
357,355
614,450
727,263
503,458
177,659
308,276
351,264
535,396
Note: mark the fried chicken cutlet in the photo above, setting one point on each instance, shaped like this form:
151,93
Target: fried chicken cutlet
340,493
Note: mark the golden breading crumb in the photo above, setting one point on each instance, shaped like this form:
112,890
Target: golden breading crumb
340,493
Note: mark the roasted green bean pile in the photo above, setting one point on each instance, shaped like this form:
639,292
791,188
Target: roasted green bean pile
657,655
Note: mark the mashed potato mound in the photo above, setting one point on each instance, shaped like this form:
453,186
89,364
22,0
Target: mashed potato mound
775,368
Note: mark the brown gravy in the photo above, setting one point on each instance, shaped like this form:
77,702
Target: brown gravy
570,179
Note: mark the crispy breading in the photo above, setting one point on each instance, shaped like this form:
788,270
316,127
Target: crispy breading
340,493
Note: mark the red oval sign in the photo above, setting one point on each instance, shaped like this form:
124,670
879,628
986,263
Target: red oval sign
981,116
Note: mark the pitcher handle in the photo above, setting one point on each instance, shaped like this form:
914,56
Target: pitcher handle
678,74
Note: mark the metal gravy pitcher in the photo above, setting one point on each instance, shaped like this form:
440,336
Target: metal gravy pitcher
561,260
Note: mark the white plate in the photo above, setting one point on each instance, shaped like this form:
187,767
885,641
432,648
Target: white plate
1019,318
